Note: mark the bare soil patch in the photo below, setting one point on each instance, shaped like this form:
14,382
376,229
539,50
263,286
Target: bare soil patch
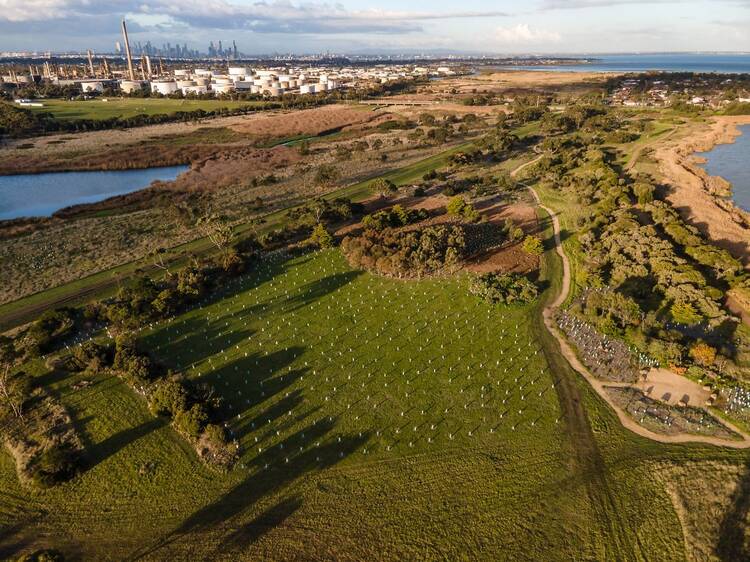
668,387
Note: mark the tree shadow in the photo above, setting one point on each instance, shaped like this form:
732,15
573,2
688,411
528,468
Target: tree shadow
273,469
271,518
319,288
731,545
99,452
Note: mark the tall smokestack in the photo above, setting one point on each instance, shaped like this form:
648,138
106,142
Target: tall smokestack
91,63
127,50
148,67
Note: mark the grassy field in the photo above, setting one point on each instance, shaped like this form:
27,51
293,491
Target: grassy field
377,419
66,110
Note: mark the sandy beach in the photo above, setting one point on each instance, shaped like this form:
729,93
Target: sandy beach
700,198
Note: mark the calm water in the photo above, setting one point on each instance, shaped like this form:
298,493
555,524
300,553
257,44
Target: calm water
732,162
40,195
733,64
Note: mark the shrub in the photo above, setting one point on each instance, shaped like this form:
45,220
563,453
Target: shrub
45,555
458,206
320,237
407,253
91,356
58,463
394,217
703,354
504,288
383,187
191,422
533,245
685,313
168,398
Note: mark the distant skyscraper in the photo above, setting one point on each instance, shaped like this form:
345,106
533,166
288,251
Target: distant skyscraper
118,47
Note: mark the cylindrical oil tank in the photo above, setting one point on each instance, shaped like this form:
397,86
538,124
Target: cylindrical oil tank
130,86
239,71
92,87
165,87
222,88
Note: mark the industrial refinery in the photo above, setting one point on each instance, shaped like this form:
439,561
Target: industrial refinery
139,70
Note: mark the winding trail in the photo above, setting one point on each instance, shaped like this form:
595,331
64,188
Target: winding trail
600,387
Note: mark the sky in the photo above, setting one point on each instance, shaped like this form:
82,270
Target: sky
383,26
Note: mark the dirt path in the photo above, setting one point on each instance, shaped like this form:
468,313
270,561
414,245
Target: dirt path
599,386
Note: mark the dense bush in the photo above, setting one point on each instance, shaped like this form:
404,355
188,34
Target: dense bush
394,217
510,288
413,253
58,463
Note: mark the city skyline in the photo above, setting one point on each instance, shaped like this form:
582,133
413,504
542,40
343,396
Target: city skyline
363,26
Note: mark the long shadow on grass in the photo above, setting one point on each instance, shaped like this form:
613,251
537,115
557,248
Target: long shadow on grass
319,288
731,545
100,452
273,469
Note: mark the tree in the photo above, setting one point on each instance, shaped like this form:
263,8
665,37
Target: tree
384,187
456,206
217,230
158,259
703,354
14,386
533,245
320,237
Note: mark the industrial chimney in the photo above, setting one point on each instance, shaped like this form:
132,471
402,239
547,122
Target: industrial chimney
127,51
91,64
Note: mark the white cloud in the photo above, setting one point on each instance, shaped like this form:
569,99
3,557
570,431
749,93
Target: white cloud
524,33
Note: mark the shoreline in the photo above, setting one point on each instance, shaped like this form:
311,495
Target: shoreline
703,199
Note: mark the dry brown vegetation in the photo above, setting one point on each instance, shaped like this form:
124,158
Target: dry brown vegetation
44,253
704,496
308,122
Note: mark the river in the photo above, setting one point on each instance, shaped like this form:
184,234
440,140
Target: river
40,195
732,162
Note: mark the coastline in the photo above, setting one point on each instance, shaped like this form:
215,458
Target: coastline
700,198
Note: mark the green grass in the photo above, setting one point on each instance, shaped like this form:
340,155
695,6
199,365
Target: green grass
66,110
301,351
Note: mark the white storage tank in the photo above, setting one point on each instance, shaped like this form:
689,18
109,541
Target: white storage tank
223,88
130,86
239,71
198,89
202,81
244,86
92,87
201,72
307,89
181,73
164,87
